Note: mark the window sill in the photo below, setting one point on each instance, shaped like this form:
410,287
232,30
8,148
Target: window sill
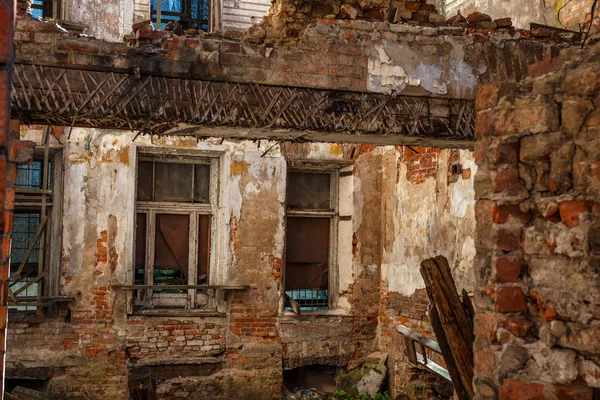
336,312
170,312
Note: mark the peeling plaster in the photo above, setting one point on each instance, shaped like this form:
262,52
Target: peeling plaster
396,66
462,195
424,227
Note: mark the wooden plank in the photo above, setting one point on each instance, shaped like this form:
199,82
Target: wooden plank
453,318
468,304
410,350
461,392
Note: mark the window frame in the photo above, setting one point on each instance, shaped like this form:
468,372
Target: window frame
50,249
51,7
184,17
193,299
332,214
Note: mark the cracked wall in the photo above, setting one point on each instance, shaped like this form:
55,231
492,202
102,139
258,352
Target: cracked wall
227,353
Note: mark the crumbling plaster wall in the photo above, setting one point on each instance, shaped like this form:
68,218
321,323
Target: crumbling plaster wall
569,14
105,19
433,217
97,338
429,211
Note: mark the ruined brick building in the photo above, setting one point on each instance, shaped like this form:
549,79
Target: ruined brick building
260,158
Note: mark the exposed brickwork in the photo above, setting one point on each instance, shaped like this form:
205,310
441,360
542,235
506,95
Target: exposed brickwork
411,312
167,338
537,221
329,54
421,163
329,340
78,353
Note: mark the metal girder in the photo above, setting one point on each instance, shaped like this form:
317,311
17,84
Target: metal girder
155,104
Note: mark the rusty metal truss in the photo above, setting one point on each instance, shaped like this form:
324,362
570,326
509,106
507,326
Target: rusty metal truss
155,104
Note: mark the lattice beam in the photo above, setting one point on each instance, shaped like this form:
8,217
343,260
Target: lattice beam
155,104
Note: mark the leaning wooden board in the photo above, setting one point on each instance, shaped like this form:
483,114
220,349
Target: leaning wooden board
452,324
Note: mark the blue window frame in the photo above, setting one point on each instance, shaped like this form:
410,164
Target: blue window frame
42,9
189,13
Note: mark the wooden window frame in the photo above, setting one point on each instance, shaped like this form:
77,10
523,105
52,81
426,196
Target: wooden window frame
332,214
193,298
51,238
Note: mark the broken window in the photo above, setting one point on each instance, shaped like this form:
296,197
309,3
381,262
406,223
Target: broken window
311,221
189,13
45,9
33,262
176,200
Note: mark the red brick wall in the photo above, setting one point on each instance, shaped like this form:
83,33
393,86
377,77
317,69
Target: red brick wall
421,162
7,173
538,222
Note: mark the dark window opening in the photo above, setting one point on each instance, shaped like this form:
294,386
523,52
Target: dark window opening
203,248
140,247
309,224
31,176
25,226
312,381
173,182
189,13
171,250
309,191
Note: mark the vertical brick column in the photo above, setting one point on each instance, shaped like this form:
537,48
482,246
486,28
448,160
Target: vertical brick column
7,15
538,233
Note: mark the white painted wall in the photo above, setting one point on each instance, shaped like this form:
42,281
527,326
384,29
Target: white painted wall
242,14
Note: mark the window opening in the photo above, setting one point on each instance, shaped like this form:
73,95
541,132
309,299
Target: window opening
44,9
189,13
311,211
175,208
30,284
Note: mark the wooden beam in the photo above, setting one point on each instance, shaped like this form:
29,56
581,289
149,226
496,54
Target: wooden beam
145,104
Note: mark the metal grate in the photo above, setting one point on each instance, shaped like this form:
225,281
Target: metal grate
25,227
31,176
310,299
